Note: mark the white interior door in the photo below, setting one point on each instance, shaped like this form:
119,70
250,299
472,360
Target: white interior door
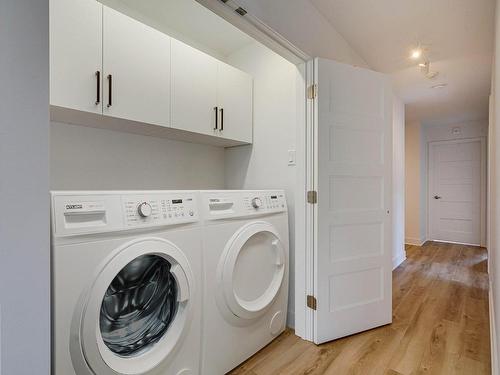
137,70
353,275
455,191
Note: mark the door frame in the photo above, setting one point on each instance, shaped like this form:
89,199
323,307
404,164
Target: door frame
483,187
305,163
304,260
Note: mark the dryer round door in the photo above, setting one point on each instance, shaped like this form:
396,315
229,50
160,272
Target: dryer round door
137,309
252,270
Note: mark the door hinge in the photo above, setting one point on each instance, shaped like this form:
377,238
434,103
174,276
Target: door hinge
312,91
312,197
311,302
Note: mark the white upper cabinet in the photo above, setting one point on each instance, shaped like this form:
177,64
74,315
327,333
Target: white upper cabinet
104,62
76,54
136,65
209,96
194,90
234,98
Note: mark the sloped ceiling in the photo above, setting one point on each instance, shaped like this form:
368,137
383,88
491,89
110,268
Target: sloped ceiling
457,35
188,21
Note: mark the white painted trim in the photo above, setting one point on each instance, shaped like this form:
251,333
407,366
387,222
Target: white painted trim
396,261
300,310
304,317
457,243
484,190
258,30
493,336
414,241
249,24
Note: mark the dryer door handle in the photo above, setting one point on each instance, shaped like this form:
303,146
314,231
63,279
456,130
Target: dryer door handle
279,261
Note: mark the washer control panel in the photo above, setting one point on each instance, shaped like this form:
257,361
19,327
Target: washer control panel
164,209
75,213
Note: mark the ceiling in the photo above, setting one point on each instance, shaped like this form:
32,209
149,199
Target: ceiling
188,21
458,38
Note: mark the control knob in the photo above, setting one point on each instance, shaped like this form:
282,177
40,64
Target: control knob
256,202
145,209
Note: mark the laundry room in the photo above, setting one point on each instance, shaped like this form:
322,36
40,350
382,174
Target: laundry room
252,187
181,100
90,153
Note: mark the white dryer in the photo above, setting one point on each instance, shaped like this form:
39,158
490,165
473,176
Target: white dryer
245,242
126,288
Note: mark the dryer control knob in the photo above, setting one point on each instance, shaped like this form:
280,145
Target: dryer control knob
145,209
256,203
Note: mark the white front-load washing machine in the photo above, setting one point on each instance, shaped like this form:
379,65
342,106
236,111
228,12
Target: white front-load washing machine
126,288
245,242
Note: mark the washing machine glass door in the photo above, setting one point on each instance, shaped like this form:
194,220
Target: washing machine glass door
137,308
253,270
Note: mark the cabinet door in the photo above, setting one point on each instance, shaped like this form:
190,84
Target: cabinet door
76,54
235,98
194,89
136,68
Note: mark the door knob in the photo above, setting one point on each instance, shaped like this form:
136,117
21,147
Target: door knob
437,197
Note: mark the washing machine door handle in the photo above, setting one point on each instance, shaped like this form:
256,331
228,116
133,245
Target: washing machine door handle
182,282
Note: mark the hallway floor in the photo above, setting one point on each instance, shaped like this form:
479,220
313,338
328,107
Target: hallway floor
440,325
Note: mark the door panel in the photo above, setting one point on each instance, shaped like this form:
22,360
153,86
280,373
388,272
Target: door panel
75,54
138,58
194,89
455,191
234,96
354,168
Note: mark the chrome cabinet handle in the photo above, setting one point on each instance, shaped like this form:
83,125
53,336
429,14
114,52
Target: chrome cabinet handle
98,96
216,109
110,90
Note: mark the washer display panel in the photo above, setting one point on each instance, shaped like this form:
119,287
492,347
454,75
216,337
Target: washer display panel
138,306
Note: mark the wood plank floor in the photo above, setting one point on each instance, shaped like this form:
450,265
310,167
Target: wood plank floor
440,325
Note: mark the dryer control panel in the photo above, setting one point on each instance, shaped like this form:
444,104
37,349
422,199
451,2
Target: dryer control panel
267,202
240,203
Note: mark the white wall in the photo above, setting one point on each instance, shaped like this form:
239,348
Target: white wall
300,23
494,203
24,186
492,229
473,129
264,164
418,137
398,182
95,159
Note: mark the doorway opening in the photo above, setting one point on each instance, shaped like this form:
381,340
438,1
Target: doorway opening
446,183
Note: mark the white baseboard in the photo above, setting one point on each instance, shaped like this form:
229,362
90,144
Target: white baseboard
400,258
414,241
493,336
